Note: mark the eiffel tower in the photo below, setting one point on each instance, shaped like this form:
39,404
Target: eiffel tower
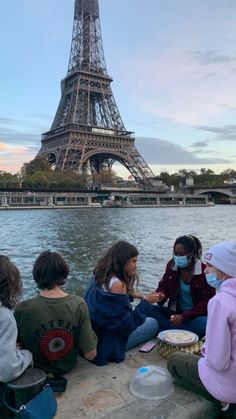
88,132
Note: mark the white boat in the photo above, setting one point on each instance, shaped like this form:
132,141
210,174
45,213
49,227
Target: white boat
95,205
114,203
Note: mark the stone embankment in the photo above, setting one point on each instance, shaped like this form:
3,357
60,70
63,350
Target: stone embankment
103,392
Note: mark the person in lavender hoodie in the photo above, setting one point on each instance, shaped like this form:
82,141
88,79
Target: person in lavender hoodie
213,375
13,361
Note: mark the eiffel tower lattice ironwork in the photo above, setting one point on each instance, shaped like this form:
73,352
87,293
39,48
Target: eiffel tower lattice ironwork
88,132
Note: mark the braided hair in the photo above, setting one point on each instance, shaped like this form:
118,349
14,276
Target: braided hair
191,244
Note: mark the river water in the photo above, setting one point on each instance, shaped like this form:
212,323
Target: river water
81,235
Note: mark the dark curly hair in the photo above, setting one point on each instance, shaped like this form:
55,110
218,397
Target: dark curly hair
10,283
191,244
113,263
50,269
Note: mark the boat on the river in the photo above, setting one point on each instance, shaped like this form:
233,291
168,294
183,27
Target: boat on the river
95,205
115,203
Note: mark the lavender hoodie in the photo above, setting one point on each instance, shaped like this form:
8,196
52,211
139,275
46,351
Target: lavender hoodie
217,368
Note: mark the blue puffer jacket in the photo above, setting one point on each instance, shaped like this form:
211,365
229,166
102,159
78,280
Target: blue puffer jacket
113,320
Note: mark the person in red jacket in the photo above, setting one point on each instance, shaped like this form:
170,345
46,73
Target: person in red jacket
184,288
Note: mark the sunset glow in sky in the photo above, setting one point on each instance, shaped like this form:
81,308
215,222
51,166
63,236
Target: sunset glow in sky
173,63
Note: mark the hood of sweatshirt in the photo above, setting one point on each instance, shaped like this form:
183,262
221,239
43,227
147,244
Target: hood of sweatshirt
229,287
100,301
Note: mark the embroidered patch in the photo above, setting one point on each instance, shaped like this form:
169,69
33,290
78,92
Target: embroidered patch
208,256
56,343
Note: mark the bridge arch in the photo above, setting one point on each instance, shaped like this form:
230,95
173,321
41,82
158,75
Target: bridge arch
219,196
109,157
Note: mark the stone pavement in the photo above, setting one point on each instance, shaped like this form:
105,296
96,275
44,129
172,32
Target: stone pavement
103,392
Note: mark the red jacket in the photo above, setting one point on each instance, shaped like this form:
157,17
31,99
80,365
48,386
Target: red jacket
200,290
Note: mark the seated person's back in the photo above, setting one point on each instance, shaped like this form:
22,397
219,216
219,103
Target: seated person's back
54,325
13,362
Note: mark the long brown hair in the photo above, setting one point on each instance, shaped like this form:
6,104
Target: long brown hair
10,283
113,263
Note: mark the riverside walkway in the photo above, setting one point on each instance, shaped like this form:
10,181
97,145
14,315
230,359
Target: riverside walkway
103,392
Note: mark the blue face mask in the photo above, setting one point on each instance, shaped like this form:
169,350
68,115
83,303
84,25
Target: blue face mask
181,261
213,281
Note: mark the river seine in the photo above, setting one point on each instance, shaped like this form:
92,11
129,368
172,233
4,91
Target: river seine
81,235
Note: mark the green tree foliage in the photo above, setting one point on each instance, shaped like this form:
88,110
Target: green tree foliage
39,174
229,173
67,180
205,177
38,180
8,180
39,164
164,177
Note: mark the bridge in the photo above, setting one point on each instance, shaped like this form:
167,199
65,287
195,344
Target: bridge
222,194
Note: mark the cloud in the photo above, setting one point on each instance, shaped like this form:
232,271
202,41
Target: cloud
13,157
19,141
210,57
43,116
23,133
200,144
8,121
203,151
3,147
33,141
210,75
224,133
182,85
157,151
154,151
7,148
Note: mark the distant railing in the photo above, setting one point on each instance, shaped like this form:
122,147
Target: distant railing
83,128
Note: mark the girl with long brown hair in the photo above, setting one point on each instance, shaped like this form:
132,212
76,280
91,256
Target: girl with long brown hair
108,296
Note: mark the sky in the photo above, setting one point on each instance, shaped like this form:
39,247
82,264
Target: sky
173,63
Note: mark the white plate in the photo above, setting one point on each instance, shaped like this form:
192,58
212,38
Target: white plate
193,338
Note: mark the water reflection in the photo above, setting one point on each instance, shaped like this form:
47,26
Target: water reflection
82,235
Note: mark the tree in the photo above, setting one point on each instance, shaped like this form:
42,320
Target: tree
8,180
37,180
67,179
205,177
165,178
206,172
228,173
187,173
39,164
105,177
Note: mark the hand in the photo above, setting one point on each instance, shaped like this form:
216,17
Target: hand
176,319
138,295
154,297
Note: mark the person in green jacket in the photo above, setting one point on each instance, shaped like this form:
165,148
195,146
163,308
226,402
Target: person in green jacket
55,325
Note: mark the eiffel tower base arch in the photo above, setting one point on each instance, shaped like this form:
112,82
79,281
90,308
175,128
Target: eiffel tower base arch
81,151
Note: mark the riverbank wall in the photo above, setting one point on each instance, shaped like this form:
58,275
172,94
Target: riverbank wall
95,199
